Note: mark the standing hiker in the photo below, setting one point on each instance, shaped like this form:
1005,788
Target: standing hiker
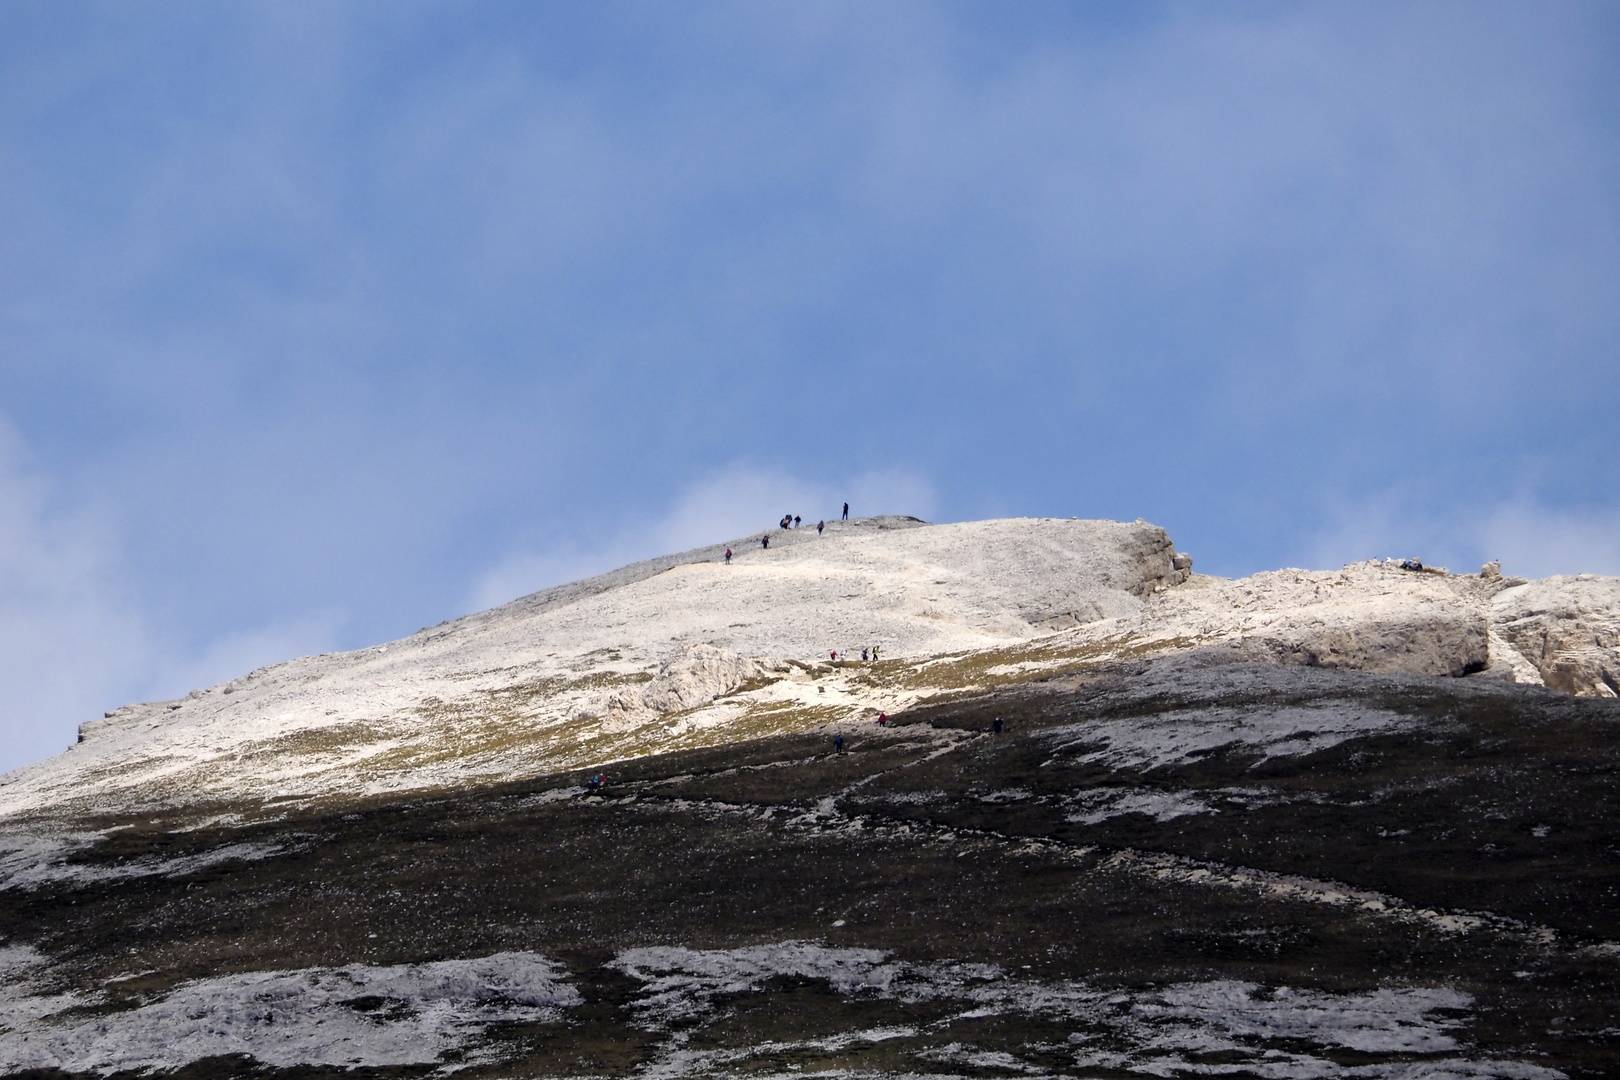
838,743
863,656
795,521
819,526
728,556
846,511
996,727
765,541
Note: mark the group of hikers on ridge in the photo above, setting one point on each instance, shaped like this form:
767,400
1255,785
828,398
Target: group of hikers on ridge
789,521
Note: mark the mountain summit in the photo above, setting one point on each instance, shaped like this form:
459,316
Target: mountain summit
693,649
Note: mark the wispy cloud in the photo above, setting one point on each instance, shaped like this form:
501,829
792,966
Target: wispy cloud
74,640
1534,541
1529,538
68,641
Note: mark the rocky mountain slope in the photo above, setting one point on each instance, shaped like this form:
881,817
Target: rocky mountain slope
689,650
1126,820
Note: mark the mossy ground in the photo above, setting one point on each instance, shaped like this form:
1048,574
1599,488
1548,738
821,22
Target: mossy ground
1498,801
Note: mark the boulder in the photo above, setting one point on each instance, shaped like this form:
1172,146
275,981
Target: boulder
694,677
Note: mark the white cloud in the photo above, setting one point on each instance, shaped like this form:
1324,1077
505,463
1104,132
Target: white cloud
239,652
1380,527
68,645
727,505
1529,538
1533,541
73,643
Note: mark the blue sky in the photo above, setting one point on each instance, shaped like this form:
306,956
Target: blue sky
321,323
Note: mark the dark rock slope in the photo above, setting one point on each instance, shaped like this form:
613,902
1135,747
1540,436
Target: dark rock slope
1166,869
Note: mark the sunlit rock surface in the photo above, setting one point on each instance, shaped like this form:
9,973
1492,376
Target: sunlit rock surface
1566,630
689,650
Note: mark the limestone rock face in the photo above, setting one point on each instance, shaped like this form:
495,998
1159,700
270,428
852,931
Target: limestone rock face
695,677
1054,574
1566,629
698,675
1366,617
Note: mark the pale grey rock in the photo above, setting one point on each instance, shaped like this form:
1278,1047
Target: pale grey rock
1566,628
1365,617
695,677
281,1019
681,647
1508,664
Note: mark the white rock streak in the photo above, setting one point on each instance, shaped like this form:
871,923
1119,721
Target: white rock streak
1161,1032
28,861
348,1016
1174,738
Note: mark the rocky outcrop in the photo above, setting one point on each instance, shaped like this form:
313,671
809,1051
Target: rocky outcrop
1369,617
695,677
1068,573
1437,642
1564,629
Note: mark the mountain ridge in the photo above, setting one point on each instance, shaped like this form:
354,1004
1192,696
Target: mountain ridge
561,678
